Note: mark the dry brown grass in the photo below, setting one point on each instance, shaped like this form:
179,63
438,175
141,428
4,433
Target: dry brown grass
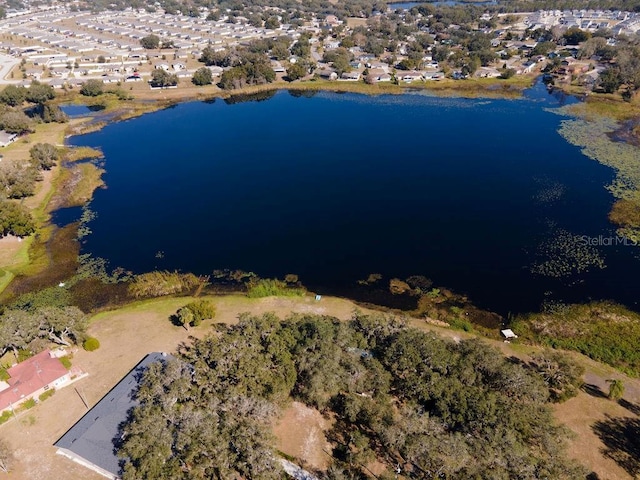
580,414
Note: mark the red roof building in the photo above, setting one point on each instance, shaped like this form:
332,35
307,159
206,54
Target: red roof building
31,378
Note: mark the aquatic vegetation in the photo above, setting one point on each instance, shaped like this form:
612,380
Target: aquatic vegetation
565,254
593,137
550,191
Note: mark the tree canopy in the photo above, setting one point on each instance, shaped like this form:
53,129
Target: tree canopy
407,399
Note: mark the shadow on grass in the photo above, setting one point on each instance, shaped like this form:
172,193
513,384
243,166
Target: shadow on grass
632,407
593,390
621,438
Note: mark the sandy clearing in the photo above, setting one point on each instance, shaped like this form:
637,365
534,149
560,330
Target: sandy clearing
300,433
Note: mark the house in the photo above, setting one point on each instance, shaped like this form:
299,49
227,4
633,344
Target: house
90,442
377,75
350,76
7,139
327,75
32,377
409,77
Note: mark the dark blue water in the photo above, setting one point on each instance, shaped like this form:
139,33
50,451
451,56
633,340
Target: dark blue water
334,187
80,110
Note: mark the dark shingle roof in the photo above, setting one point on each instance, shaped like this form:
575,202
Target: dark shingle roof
92,437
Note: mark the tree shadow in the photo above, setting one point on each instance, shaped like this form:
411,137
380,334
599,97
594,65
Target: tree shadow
593,390
632,407
621,437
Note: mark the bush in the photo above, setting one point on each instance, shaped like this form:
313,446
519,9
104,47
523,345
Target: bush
29,404
157,284
47,394
616,389
91,344
202,310
272,287
66,361
92,88
5,417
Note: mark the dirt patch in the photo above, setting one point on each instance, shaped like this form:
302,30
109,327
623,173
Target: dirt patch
9,247
301,434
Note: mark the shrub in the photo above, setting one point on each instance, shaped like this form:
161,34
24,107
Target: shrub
66,361
202,310
157,284
272,287
616,389
24,354
91,344
29,404
47,394
5,417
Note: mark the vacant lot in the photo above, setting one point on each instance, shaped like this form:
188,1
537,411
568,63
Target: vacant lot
127,334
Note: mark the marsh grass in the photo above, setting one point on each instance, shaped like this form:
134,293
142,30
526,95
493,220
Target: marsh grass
592,135
73,154
604,331
268,287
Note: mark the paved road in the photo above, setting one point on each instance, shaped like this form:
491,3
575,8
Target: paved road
6,64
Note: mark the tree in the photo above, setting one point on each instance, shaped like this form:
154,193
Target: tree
50,112
507,73
221,58
272,23
13,95
163,79
150,42
44,156
184,316
92,88
296,71
616,389
562,375
39,93
17,180
202,76
610,80
15,219
15,121
575,35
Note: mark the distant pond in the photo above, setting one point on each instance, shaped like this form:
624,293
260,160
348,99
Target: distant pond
481,196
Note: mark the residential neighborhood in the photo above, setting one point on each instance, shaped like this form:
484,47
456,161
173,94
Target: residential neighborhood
65,48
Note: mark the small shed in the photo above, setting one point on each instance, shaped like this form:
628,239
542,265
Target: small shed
508,334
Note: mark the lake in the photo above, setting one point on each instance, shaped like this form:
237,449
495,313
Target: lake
481,196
